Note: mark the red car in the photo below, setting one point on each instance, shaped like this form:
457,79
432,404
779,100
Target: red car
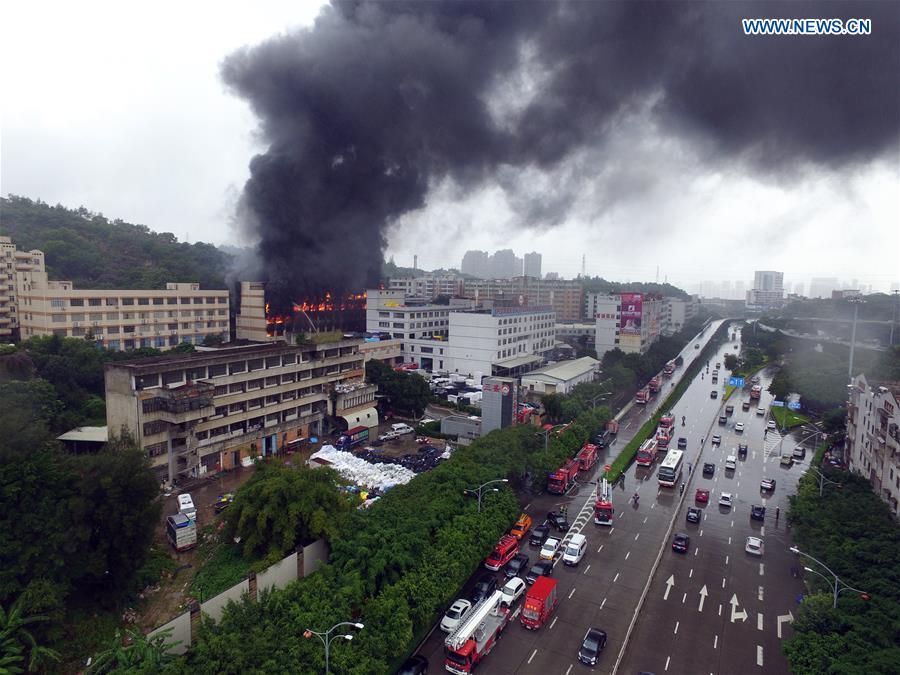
702,496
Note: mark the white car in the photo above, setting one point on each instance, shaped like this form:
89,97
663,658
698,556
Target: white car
725,499
455,614
771,424
761,412
754,546
551,546
739,427
731,462
512,591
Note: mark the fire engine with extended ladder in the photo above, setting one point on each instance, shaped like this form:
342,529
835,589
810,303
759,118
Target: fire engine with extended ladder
603,508
474,638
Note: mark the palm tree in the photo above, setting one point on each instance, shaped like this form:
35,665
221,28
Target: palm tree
17,645
145,653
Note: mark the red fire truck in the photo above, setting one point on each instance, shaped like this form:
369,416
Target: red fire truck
603,508
560,480
476,635
646,454
669,368
642,396
540,601
587,456
755,391
666,430
654,384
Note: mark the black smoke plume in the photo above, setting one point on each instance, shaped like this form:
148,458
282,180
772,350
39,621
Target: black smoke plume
377,102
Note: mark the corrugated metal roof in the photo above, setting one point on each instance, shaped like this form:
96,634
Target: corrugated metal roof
567,370
94,434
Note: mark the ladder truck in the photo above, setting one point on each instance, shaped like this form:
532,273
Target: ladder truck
474,638
603,508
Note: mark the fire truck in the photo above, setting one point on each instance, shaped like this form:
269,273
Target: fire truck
654,384
603,508
666,430
669,368
540,601
755,391
476,635
587,456
646,454
642,396
560,480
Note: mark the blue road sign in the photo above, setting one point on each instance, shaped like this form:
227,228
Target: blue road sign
778,404
736,381
794,405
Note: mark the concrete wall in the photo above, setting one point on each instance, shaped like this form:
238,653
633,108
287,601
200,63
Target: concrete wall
214,607
181,633
314,556
278,575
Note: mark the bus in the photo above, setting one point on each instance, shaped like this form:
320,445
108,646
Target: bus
670,469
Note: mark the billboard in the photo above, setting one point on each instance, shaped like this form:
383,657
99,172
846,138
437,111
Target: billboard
632,312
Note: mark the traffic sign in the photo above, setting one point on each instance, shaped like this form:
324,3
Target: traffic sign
794,405
777,404
736,381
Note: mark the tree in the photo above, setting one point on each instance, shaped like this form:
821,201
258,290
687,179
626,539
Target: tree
134,653
553,406
408,392
18,647
731,362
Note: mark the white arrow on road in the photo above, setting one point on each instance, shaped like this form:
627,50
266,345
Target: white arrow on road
742,615
669,583
703,594
782,618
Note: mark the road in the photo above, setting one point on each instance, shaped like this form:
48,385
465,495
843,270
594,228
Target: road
605,588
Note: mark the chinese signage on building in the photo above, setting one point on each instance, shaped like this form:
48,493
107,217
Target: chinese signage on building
632,313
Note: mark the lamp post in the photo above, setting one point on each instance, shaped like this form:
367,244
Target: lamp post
546,434
856,303
598,397
480,489
823,480
837,586
327,637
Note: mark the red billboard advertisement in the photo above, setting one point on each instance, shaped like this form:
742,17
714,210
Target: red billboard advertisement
632,312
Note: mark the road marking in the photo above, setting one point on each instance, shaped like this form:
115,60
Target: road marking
701,533
676,628
696,550
691,574
532,655
622,514
553,623
636,536
569,670
759,621
726,559
703,594
715,643
571,594
611,528
627,554
759,595
720,609
704,516
782,618
762,531
729,541
761,568
600,549
645,521
602,603
667,662
684,599
616,578
759,655
528,506
742,615
586,569
732,523
723,582
669,583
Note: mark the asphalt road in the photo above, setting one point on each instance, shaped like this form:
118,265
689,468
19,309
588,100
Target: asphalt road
605,588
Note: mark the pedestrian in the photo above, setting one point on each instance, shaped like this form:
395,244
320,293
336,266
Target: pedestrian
690,468
777,513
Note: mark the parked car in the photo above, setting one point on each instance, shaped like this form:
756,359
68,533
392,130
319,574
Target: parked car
754,546
681,543
512,590
693,514
725,500
682,443
714,394
541,568
486,585
523,524
223,502
786,460
549,549
757,512
414,665
517,565
538,535
701,496
455,615
739,427
771,424
709,469
799,452
716,439
767,484
593,643
558,520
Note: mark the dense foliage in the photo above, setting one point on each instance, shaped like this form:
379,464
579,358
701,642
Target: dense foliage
601,285
93,252
849,529
404,392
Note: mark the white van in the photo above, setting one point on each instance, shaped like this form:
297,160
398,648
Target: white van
401,429
575,549
731,462
186,506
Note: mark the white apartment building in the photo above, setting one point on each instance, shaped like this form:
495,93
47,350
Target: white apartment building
11,261
503,341
422,329
428,286
113,319
676,312
873,439
628,321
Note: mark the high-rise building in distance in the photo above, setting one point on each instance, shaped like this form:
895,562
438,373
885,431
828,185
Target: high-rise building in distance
533,265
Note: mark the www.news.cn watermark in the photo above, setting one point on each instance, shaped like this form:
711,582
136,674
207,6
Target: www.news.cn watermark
807,26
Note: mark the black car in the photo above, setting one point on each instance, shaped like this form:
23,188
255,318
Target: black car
757,512
682,443
714,394
543,568
486,585
681,543
723,420
538,535
517,565
709,469
558,521
742,450
414,665
693,514
601,440
593,643
717,440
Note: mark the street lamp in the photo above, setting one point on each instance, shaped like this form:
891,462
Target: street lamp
856,302
327,637
598,397
823,480
480,489
546,434
837,586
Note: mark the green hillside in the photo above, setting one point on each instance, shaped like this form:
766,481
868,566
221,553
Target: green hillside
94,252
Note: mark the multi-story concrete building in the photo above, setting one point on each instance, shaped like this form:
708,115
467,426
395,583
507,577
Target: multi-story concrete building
428,286
676,312
532,267
628,321
577,333
13,261
821,287
422,329
500,403
767,291
215,409
565,297
873,437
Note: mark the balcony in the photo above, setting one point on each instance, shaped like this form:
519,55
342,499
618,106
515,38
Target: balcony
187,402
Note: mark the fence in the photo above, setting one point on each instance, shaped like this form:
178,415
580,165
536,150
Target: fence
301,563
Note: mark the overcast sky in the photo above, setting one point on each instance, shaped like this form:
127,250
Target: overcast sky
124,111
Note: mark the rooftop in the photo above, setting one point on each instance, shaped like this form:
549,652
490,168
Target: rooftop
90,434
567,370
